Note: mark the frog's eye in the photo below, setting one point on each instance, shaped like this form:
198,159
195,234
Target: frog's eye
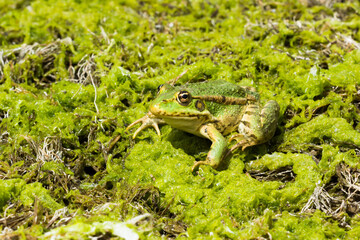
184,98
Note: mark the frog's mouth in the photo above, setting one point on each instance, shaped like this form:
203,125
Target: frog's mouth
177,115
188,122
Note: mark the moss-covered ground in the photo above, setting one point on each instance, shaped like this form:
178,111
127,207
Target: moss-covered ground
74,74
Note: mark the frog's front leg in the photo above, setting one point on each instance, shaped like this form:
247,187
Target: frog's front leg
257,126
217,149
149,120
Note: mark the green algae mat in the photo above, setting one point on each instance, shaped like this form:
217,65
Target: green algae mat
74,74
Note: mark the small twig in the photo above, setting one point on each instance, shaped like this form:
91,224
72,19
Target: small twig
92,81
172,82
104,35
294,58
58,213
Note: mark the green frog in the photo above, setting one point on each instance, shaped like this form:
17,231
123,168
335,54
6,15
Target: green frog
212,110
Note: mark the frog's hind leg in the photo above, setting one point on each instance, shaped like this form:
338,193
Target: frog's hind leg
257,125
217,150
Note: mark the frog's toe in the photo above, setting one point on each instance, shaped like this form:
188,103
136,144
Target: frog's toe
243,144
133,124
142,127
236,137
240,142
156,126
196,165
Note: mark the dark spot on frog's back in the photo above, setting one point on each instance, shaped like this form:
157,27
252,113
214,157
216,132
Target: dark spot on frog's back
249,113
223,98
246,123
252,136
252,107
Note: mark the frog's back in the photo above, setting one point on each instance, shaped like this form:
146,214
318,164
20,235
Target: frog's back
223,89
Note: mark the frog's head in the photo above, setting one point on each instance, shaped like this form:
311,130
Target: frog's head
175,103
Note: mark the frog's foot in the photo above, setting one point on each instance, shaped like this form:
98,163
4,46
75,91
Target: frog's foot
149,120
241,142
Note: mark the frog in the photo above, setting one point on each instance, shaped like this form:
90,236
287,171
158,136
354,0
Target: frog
213,110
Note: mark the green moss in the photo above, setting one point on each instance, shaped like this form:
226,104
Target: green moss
332,157
26,193
345,74
9,189
197,197
36,190
58,168
321,129
305,227
307,176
